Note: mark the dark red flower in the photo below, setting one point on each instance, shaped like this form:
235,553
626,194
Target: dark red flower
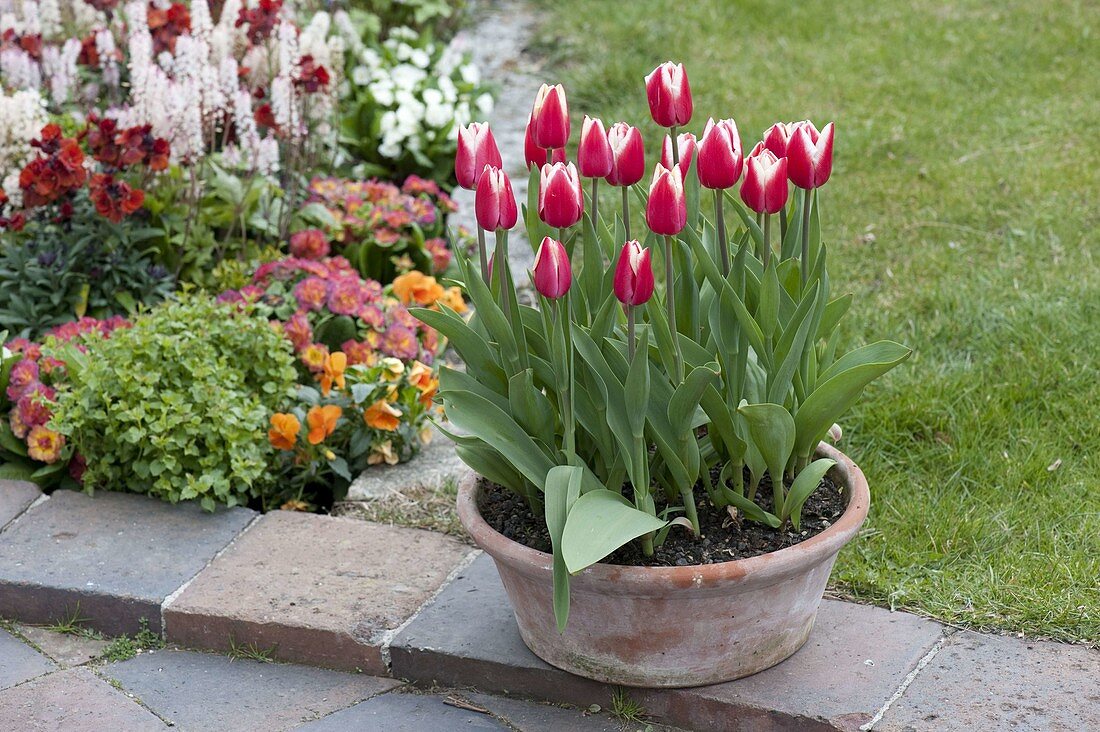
114,199
312,77
168,24
57,171
260,20
265,117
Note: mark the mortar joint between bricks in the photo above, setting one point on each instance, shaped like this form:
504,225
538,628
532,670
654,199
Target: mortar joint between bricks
386,637
910,677
180,590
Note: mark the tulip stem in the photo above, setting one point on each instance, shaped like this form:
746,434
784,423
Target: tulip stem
720,224
626,210
670,303
503,271
675,147
767,239
806,203
596,208
630,324
567,395
481,253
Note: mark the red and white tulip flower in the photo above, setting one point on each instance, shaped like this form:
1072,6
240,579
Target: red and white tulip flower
778,137
720,159
633,275
628,155
476,148
550,117
552,274
561,201
535,155
494,202
764,189
594,156
666,210
685,149
810,155
669,95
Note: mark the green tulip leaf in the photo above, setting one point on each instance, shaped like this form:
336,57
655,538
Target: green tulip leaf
772,430
600,522
804,485
563,489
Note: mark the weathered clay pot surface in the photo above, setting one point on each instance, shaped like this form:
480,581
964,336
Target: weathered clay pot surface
673,626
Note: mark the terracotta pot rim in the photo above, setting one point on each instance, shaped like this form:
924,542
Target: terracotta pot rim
761,570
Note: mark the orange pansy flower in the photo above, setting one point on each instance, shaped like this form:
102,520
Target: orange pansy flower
284,431
322,422
333,371
415,286
382,416
422,378
452,298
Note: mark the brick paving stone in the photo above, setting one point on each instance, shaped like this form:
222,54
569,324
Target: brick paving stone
528,716
406,713
468,636
74,700
992,683
855,659
117,556
313,589
19,662
67,649
432,468
15,497
204,691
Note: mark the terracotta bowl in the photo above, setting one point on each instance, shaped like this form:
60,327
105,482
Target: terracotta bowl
673,626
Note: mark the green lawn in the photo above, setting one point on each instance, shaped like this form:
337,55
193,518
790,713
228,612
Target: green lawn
962,212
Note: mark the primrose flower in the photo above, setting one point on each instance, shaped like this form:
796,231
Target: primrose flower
283,434
309,244
400,341
358,352
299,331
322,422
311,293
18,427
34,405
314,355
382,416
24,374
346,297
44,445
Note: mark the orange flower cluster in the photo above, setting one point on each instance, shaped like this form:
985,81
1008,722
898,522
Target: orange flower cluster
421,289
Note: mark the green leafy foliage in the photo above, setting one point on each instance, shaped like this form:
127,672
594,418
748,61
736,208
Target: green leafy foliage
177,406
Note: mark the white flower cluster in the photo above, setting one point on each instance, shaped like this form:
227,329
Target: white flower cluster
22,117
424,90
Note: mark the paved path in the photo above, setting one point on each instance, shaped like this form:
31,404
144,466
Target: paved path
375,606
60,683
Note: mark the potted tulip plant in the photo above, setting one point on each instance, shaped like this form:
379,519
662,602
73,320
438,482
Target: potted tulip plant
652,476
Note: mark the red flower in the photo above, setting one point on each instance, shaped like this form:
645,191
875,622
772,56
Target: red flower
312,76
55,172
114,199
168,24
260,20
265,117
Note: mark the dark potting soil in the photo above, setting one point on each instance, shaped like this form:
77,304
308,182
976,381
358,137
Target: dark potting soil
723,539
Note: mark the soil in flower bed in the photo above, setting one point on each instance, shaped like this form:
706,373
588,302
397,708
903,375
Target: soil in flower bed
723,538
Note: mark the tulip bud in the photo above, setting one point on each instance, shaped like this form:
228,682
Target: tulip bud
764,189
666,210
720,160
535,155
669,95
810,155
550,117
633,275
778,137
628,155
476,149
594,156
685,149
552,273
494,202
561,201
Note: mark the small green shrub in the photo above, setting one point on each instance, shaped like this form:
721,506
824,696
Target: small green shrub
177,406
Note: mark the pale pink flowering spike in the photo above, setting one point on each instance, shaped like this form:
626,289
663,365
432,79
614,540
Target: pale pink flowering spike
552,274
494,202
666,209
810,156
669,95
594,156
764,189
550,117
561,200
633,275
719,161
476,148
